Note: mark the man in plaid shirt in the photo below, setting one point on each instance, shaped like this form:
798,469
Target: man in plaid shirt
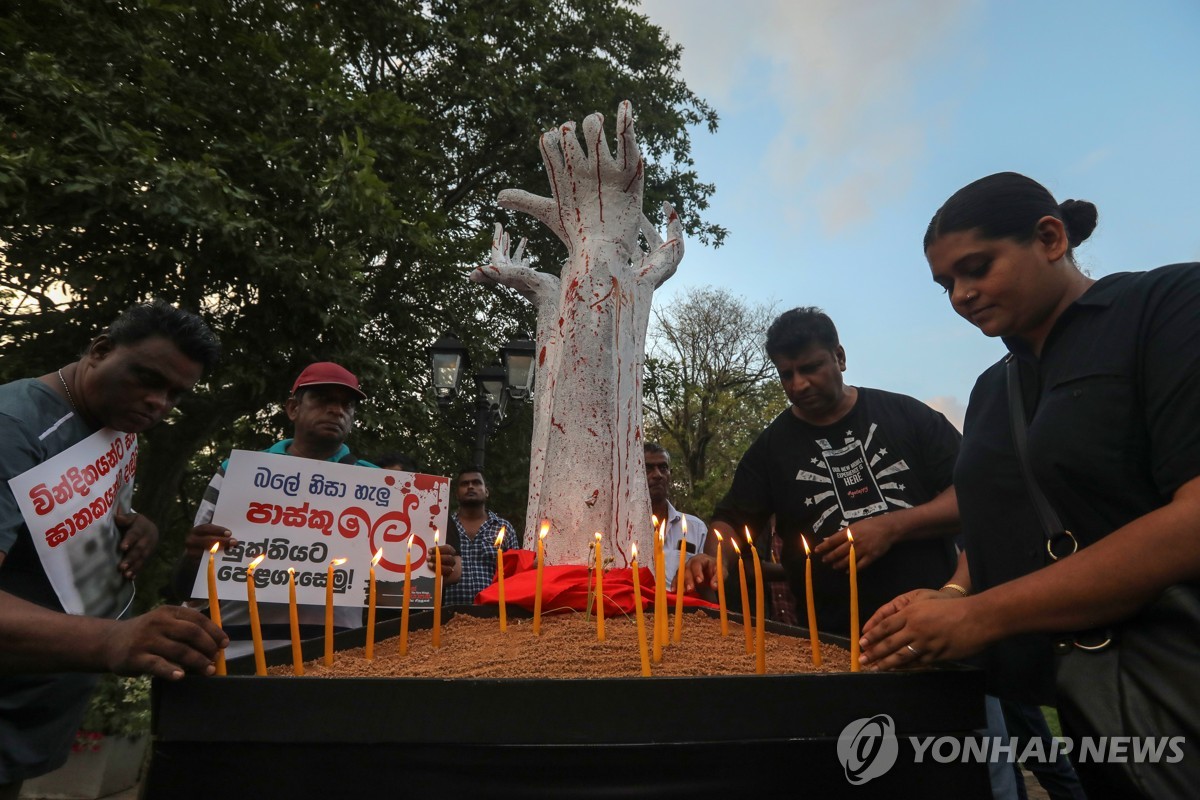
473,530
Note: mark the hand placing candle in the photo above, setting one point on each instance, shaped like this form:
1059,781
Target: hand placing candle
721,585
370,648
500,578
294,621
641,620
855,631
260,658
337,562
599,588
407,597
812,609
537,597
214,602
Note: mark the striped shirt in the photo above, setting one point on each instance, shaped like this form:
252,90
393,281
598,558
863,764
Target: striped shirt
478,557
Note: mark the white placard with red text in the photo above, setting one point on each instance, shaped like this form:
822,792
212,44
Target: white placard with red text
69,503
305,513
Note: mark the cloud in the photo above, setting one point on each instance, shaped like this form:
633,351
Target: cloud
950,407
841,79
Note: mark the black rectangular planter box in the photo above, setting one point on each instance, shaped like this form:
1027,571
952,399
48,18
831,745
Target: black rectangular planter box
727,736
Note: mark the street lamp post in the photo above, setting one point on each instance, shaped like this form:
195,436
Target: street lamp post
495,385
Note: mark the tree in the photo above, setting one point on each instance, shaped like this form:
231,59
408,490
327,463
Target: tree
709,389
316,179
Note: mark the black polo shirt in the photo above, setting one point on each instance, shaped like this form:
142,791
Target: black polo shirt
1114,429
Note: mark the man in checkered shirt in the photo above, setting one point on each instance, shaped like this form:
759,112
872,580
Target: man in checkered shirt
472,532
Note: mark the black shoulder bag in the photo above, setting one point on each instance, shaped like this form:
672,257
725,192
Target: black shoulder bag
1138,679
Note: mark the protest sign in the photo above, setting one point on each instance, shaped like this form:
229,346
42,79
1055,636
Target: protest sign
69,504
303,513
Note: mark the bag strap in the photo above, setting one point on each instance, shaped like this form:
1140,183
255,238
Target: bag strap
1052,527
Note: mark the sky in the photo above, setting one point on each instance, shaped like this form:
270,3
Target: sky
845,124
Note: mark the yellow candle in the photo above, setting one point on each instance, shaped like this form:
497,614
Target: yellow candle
760,605
407,595
537,597
812,609
437,591
337,562
855,633
260,658
294,619
370,649
214,602
500,578
721,585
641,620
660,595
679,580
599,588
745,608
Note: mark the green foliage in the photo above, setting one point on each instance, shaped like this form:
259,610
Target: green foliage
709,390
317,179
119,707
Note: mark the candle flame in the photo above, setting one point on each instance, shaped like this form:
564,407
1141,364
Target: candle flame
337,562
436,534
749,538
378,555
255,562
733,542
807,552
720,538
654,521
599,536
500,537
410,541
544,530
635,551
849,536
213,549
292,571
683,524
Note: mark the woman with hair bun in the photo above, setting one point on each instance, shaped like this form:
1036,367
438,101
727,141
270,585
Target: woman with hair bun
1081,564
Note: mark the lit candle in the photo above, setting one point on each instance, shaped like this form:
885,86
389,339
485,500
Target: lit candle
537,597
760,605
407,596
370,650
745,609
721,585
214,602
294,619
260,658
337,562
599,588
500,577
678,635
657,634
641,620
437,591
855,633
812,609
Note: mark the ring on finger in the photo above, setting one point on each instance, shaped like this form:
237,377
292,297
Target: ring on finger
916,653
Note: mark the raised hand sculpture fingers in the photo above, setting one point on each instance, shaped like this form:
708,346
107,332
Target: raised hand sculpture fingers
513,270
659,263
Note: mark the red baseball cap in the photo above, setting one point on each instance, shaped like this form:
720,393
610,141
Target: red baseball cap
327,373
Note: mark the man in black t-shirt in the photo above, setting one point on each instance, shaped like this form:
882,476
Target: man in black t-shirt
842,457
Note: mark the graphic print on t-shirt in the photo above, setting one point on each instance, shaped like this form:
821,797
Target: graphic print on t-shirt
848,482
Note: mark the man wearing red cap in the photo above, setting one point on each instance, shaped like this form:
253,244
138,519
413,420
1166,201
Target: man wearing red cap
322,406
